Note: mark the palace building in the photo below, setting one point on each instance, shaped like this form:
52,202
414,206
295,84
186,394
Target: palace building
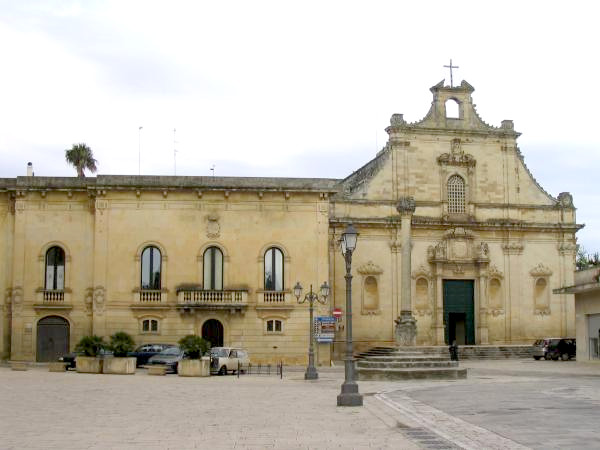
457,242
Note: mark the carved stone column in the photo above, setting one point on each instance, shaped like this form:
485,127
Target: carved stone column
406,324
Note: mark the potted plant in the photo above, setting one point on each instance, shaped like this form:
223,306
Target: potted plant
121,344
89,347
193,364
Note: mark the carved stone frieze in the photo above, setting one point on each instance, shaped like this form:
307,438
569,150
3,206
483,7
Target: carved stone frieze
457,156
17,301
370,268
422,272
513,248
545,311
88,301
495,312
540,271
406,205
423,312
567,248
494,272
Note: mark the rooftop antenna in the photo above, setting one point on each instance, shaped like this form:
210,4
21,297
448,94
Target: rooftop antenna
174,152
213,170
140,150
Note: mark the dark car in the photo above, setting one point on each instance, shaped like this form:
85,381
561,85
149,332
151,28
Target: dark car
169,357
144,352
70,358
564,349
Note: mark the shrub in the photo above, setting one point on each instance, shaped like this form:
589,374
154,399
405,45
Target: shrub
193,346
90,345
121,344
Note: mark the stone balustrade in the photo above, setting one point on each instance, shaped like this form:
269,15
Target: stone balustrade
274,298
194,297
150,297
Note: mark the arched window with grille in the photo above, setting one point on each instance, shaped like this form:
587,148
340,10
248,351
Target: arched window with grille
151,268
274,269
55,268
213,269
456,195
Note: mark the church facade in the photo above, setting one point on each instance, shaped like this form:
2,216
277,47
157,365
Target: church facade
457,242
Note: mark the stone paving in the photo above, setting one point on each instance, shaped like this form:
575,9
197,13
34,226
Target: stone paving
502,405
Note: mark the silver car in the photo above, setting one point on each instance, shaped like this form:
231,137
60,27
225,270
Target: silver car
541,346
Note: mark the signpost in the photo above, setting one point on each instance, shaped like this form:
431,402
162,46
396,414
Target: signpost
324,329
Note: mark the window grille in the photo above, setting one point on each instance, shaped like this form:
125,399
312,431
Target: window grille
456,195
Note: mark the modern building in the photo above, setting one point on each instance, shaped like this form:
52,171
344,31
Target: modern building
457,242
586,290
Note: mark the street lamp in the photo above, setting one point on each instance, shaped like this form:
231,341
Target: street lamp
349,395
311,372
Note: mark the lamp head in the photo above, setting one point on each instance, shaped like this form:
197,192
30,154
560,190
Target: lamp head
324,290
298,290
349,238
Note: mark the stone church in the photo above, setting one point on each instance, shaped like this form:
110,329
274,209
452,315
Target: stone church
457,242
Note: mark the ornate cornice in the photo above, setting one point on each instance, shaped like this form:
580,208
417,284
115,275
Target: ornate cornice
513,248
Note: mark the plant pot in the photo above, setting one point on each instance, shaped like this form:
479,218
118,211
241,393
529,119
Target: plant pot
119,365
194,367
88,364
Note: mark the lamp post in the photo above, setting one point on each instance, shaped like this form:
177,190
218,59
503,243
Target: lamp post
311,371
349,395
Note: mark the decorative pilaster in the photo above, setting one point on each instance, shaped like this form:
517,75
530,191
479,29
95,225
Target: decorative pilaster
406,324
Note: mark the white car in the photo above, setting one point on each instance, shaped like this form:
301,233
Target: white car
228,359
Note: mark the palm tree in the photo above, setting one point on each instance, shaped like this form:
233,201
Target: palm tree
81,157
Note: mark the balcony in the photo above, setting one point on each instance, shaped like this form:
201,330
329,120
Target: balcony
150,298
233,300
275,300
53,299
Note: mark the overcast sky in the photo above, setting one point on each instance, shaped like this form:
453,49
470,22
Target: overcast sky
285,88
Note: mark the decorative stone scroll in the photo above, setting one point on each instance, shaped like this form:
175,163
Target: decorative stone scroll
213,229
99,299
540,271
370,268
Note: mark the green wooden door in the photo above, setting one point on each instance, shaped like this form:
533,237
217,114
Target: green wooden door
458,300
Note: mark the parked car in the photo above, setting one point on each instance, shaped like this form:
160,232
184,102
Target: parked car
540,348
144,352
169,357
228,359
564,349
70,358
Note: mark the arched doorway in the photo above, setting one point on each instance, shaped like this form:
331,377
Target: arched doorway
212,331
52,338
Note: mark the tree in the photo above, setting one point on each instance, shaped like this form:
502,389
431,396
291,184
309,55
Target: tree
585,260
81,157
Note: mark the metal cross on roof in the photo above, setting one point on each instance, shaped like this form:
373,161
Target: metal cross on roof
451,67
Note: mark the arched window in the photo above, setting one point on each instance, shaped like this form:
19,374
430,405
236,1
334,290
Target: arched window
55,268
452,109
456,195
151,264
213,269
274,269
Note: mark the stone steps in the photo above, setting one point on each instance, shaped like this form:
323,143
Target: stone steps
405,364
467,352
431,373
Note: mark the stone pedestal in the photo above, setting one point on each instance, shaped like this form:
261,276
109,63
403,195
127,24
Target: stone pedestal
194,367
406,329
119,365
